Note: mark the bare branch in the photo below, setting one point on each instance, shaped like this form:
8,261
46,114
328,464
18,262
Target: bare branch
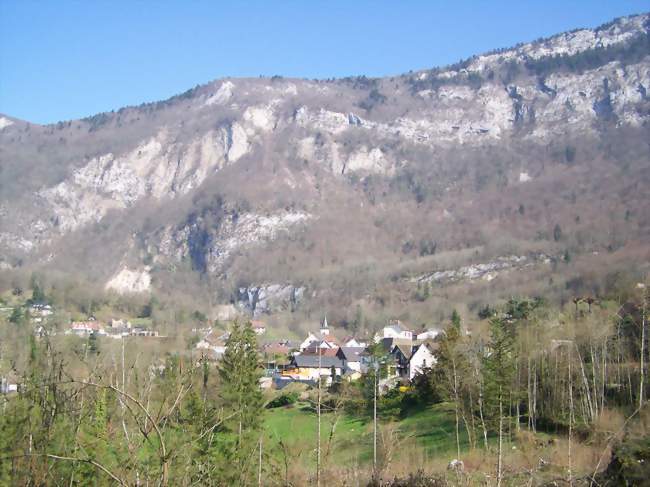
71,459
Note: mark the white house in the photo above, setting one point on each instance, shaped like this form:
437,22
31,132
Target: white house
429,334
6,386
258,327
210,342
394,330
307,341
421,359
318,341
41,310
352,342
322,339
82,328
351,358
119,324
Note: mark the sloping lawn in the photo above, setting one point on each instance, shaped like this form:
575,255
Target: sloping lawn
296,428
430,430
434,428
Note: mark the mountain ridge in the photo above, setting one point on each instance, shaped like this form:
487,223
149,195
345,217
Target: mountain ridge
274,181
641,17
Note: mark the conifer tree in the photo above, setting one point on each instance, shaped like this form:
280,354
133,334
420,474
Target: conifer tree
499,370
241,397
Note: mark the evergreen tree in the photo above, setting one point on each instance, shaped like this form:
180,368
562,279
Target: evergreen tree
38,296
96,443
17,316
498,366
242,400
455,319
93,346
498,374
357,324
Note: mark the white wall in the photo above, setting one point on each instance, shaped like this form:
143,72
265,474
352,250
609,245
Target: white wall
420,360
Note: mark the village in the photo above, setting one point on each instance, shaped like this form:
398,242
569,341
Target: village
369,391
322,355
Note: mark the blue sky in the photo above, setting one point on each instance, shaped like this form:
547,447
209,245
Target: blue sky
68,59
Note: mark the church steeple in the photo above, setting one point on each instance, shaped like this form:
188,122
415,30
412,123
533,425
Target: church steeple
324,327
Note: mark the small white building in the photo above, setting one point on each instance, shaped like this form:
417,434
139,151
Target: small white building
421,359
352,342
351,357
84,328
120,324
317,341
42,310
6,386
322,339
259,327
394,330
429,334
210,342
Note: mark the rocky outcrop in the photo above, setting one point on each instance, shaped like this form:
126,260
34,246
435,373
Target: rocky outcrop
485,271
268,298
157,168
130,281
5,122
210,247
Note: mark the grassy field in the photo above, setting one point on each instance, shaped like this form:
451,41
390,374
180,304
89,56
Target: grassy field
423,434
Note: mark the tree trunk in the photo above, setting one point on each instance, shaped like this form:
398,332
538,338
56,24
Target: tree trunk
642,357
499,461
259,469
570,418
453,363
318,412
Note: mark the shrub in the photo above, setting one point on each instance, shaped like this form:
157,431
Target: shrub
630,464
417,479
283,400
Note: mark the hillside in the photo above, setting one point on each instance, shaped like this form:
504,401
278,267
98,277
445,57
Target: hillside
516,170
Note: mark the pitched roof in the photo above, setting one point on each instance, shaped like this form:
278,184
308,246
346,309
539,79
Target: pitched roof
425,345
311,361
389,343
85,325
275,348
351,354
405,350
323,338
324,352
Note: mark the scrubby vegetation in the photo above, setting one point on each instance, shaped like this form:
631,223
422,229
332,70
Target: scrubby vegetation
528,393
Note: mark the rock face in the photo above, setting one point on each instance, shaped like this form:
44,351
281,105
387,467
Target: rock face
396,159
486,271
130,281
157,168
211,247
5,122
258,300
